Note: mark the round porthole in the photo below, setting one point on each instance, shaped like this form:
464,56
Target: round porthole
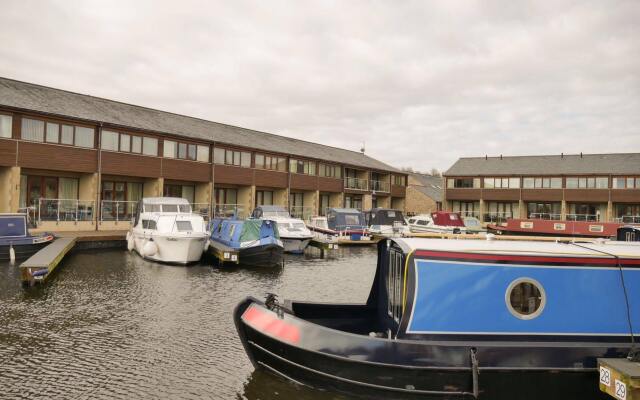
525,298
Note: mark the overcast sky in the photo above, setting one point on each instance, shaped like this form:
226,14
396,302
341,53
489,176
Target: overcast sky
422,83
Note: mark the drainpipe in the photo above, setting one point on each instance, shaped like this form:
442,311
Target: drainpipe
98,209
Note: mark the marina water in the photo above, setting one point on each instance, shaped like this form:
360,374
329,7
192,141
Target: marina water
110,325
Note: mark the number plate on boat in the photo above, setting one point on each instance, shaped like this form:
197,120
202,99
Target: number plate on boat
605,376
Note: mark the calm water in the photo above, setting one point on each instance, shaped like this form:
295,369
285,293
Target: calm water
110,325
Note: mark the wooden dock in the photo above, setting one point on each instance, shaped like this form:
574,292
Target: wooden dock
40,266
323,245
620,378
223,253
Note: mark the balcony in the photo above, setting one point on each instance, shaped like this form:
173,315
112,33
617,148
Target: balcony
468,213
64,210
583,217
302,212
497,217
115,210
379,186
628,219
356,184
229,211
545,216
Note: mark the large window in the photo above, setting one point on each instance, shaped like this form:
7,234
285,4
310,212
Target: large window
123,142
184,191
232,157
264,198
5,126
353,201
330,171
626,182
84,137
399,180
543,210
466,208
264,161
32,129
541,183
186,151
463,183
586,182
149,146
302,167
51,132
501,183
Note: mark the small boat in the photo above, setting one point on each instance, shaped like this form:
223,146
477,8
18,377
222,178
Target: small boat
256,240
293,232
437,222
386,222
166,230
14,234
341,224
483,319
541,227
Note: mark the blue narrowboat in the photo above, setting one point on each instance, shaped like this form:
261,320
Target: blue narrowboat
14,234
461,319
256,240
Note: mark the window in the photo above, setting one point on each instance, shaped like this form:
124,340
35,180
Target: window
149,146
184,191
542,183
32,129
232,157
245,159
148,224
263,161
264,198
463,183
109,140
218,155
84,137
399,180
394,284
136,144
125,142
525,298
330,171
501,183
302,167
602,183
66,134
6,121
587,183
628,182
191,152
53,132
203,153
184,226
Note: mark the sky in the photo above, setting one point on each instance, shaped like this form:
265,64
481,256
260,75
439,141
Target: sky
419,83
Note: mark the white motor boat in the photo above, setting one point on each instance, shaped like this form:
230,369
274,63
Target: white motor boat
165,229
293,232
437,222
386,222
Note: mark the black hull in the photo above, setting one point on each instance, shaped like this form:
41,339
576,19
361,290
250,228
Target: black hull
268,255
23,251
348,366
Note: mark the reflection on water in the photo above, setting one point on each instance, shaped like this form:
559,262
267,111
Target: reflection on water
111,325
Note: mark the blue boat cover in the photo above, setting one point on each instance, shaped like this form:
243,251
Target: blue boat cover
13,225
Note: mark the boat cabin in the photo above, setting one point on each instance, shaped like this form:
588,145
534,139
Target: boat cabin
236,233
267,212
13,225
384,216
346,219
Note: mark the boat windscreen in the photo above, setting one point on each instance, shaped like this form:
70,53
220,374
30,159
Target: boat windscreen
342,220
276,214
184,226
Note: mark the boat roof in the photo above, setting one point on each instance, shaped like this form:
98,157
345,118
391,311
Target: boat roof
379,209
346,210
523,247
165,200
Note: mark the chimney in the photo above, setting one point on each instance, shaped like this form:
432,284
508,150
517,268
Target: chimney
501,156
561,155
580,154
485,157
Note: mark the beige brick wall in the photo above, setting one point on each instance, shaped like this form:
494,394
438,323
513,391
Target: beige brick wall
417,202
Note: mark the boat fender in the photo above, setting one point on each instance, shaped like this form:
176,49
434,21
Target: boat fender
40,272
12,254
130,242
150,248
490,236
206,244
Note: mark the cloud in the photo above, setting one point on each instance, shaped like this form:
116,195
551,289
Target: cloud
421,83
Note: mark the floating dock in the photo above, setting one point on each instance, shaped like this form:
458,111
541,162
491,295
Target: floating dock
40,265
323,245
620,378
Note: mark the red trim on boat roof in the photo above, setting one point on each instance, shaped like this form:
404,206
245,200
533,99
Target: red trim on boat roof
528,258
267,322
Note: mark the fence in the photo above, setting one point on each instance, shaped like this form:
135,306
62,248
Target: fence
65,210
203,209
583,217
301,212
117,210
379,186
547,216
229,210
355,183
497,217
629,219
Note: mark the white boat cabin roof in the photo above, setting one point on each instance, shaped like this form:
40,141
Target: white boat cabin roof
164,200
522,247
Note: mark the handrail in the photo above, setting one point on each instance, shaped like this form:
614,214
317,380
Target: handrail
65,210
228,211
356,183
117,210
379,186
545,216
583,217
629,219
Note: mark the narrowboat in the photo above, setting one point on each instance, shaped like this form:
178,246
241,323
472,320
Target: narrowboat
447,319
437,222
256,240
343,224
540,227
14,234
293,232
165,229
386,222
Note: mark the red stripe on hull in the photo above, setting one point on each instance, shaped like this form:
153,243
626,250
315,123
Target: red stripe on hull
524,259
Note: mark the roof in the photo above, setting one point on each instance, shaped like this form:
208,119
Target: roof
430,186
346,210
567,164
29,96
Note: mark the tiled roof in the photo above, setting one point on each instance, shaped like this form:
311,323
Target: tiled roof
29,96
430,186
619,163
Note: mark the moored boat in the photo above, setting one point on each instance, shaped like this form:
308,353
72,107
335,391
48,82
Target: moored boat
256,240
15,235
460,319
293,232
541,227
166,230
437,222
386,222
341,224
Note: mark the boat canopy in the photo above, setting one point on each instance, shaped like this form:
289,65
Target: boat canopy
233,231
444,218
166,204
384,216
345,218
13,225
270,212
256,229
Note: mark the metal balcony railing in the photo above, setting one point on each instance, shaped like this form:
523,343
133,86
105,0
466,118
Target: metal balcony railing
203,209
379,186
355,183
117,210
65,210
497,217
629,219
301,212
468,213
547,216
229,211
583,217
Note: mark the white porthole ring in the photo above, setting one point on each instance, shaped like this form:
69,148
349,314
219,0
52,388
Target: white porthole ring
543,298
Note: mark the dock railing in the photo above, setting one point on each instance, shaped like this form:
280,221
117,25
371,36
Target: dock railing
379,186
497,217
546,216
583,217
228,211
65,210
117,210
302,212
355,183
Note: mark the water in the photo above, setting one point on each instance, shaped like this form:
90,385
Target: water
110,325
